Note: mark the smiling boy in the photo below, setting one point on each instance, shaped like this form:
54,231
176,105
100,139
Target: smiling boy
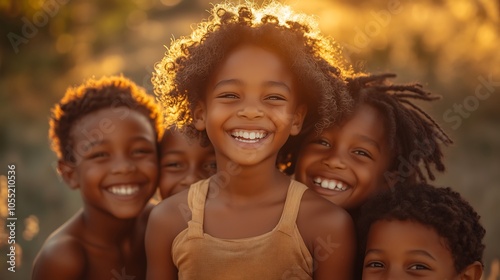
105,134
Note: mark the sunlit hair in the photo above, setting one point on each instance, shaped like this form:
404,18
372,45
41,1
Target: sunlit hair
181,77
442,209
93,95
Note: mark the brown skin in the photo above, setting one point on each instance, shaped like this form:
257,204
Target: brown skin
355,155
258,97
183,161
116,175
411,250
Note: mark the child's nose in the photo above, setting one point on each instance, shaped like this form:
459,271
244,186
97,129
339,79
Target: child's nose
334,160
123,165
250,112
394,274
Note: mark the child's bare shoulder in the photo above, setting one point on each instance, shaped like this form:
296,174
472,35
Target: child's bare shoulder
323,211
171,214
63,256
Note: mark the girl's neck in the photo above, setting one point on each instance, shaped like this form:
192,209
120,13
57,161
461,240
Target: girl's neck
248,181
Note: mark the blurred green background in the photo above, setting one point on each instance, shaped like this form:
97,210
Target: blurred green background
450,46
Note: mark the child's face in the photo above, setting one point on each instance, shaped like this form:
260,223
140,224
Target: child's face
406,250
183,162
346,164
250,107
116,166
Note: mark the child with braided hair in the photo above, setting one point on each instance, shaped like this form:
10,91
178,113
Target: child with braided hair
384,140
248,79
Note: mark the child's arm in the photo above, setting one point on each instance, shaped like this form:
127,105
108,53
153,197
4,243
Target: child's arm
329,231
60,259
165,223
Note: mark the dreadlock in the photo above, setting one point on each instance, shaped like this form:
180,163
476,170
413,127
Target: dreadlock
413,134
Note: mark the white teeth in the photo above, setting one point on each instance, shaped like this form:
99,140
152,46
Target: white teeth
124,189
324,184
330,184
245,136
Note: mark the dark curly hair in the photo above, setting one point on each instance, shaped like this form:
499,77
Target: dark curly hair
93,95
181,77
440,208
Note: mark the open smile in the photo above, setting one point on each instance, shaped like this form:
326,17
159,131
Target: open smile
331,184
124,190
248,136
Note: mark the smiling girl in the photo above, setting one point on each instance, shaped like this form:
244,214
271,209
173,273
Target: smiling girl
248,79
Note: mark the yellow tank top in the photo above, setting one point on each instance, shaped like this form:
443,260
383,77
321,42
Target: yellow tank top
278,254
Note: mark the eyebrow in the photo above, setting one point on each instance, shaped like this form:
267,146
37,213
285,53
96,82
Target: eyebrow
239,83
369,141
171,152
135,138
421,252
412,252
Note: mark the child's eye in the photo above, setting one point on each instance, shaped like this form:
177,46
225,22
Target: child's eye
321,142
172,165
96,155
276,97
228,95
362,153
211,167
418,267
375,264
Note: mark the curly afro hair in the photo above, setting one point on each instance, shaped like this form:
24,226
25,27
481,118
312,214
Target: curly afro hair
440,208
181,77
91,96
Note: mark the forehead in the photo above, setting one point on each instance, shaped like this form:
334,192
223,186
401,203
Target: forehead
174,141
365,120
252,63
108,122
396,237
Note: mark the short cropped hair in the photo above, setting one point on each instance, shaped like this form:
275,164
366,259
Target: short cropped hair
442,209
93,95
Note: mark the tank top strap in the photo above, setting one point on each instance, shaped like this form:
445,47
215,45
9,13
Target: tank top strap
288,220
196,201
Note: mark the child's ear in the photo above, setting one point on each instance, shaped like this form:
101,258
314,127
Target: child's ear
298,119
472,272
67,171
199,116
